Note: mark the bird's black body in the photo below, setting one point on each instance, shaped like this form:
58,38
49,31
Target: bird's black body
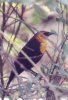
32,49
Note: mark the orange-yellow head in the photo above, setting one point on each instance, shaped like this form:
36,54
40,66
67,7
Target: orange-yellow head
41,36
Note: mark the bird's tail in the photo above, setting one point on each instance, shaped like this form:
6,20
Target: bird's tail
11,77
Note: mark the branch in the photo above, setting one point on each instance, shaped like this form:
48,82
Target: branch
10,12
1,62
61,45
27,25
21,19
3,23
15,21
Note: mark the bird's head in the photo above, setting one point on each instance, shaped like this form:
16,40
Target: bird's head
46,33
41,37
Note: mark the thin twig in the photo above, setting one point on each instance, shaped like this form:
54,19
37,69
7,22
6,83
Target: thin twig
1,63
61,45
8,25
22,20
3,23
8,16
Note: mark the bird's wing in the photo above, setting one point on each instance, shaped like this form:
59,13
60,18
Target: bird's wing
32,50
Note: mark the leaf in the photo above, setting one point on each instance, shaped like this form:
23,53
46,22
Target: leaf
44,69
10,98
50,95
63,56
56,66
58,10
25,2
36,19
19,99
63,72
7,98
20,89
42,11
53,31
64,98
40,98
52,4
65,2
28,86
61,19
38,77
66,48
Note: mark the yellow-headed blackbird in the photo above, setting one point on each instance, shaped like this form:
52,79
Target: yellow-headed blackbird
35,49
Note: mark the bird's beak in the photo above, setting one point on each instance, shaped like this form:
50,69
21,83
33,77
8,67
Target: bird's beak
48,33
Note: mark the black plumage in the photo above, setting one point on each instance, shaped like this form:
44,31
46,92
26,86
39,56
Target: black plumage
32,49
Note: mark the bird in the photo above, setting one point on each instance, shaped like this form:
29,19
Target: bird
35,49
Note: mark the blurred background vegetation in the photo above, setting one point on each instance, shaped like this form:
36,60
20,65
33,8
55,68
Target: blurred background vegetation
19,21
